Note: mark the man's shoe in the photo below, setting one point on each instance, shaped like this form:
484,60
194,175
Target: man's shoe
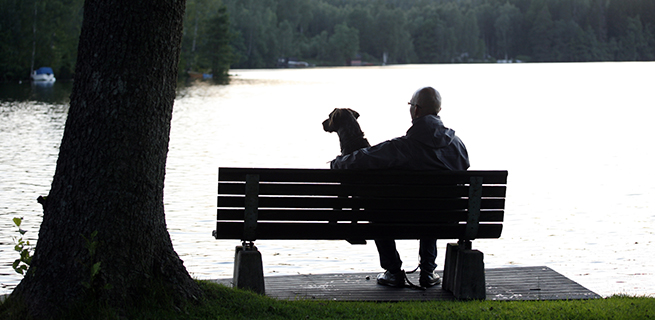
429,279
392,279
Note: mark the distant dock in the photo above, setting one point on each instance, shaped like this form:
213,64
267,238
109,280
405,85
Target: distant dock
517,283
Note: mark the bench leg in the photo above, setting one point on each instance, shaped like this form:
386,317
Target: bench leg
464,273
450,268
248,270
470,277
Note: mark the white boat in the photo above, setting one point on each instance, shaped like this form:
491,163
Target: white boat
43,74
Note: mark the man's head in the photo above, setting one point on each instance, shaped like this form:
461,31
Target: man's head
425,101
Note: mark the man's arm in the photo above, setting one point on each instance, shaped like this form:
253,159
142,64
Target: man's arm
389,154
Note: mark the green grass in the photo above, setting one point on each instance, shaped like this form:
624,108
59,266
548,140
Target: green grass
220,302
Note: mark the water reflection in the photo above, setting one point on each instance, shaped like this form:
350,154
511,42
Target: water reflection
49,92
30,133
580,193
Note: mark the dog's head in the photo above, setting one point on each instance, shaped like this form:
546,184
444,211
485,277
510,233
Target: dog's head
338,118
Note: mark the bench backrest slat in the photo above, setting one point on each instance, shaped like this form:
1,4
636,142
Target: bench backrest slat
359,176
315,189
267,215
349,203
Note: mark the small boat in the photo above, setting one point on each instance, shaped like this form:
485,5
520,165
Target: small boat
43,74
198,75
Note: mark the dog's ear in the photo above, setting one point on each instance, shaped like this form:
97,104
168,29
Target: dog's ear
354,113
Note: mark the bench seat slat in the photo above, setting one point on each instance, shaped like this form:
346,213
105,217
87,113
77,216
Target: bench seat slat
359,215
325,231
316,189
360,176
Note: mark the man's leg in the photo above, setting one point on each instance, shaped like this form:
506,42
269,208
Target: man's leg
389,257
390,261
428,254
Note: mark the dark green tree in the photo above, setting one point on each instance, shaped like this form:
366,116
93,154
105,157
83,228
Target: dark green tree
426,40
597,19
507,25
471,45
256,42
324,18
287,44
206,45
486,17
216,49
633,44
344,43
540,36
297,13
361,19
391,36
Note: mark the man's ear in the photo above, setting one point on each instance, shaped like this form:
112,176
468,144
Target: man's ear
416,112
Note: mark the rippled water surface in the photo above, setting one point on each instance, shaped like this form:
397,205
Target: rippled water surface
574,137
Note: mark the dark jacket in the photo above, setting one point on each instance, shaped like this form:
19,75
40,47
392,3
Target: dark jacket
428,145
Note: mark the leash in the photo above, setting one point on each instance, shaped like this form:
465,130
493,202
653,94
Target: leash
409,283
415,269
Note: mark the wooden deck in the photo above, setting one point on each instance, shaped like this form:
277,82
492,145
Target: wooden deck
520,283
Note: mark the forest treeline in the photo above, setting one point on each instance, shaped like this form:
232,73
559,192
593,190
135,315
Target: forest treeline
336,32
220,34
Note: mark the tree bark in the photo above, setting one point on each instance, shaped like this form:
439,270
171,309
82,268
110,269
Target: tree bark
105,211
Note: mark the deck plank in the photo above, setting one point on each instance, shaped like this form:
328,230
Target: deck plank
517,283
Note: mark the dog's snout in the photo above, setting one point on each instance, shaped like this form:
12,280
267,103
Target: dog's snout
329,123
326,126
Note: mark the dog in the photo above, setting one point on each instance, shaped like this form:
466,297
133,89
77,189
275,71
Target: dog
344,123
351,138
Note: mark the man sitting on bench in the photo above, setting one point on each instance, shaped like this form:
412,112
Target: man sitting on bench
428,145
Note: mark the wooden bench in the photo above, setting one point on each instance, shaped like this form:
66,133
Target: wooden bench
322,204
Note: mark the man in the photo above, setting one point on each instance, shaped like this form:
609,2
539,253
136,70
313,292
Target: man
428,145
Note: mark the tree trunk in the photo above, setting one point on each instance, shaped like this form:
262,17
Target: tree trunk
103,236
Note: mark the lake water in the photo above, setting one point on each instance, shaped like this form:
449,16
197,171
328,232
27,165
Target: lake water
576,139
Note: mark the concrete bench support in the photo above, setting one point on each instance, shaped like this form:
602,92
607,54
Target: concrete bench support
248,269
464,272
